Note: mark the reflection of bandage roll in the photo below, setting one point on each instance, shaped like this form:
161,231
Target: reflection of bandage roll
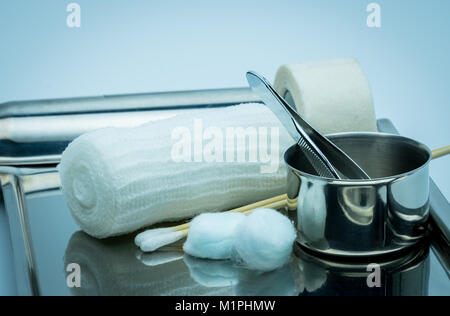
333,96
110,268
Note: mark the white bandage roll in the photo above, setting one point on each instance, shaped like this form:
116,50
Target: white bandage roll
333,95
118,180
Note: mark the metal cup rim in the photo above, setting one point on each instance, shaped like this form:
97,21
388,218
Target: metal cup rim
373,181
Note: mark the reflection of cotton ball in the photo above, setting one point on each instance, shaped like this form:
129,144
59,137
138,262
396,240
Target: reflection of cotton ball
263,241
274,283
212,273
312,277
211,235
314,212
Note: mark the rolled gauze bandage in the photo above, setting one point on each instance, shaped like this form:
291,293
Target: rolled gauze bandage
333,95
116,181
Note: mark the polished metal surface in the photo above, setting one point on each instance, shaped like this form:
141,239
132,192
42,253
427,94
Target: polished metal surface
45,239
327,159
128,102
362,217
36,132
439,212
112,268
405,275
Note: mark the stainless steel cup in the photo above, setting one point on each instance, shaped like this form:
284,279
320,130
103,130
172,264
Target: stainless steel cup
362,217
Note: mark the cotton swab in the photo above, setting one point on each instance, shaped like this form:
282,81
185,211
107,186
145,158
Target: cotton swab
150,233
156,242
156,238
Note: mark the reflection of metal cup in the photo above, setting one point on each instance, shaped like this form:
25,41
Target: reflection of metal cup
362,217
407,275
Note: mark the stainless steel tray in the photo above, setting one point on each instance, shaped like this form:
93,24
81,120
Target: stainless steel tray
36,132
45,240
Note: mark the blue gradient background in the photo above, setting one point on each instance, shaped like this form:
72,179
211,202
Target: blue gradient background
141,46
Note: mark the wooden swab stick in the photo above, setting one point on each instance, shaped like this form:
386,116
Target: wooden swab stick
275,202
275,205
440,152
153,239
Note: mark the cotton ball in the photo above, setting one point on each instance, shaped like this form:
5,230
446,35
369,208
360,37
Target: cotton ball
211,235
263,241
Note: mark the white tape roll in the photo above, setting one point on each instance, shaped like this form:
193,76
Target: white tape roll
333,95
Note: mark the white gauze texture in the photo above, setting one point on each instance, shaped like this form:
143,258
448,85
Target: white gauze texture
333,95
118,180
264,240
211,235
